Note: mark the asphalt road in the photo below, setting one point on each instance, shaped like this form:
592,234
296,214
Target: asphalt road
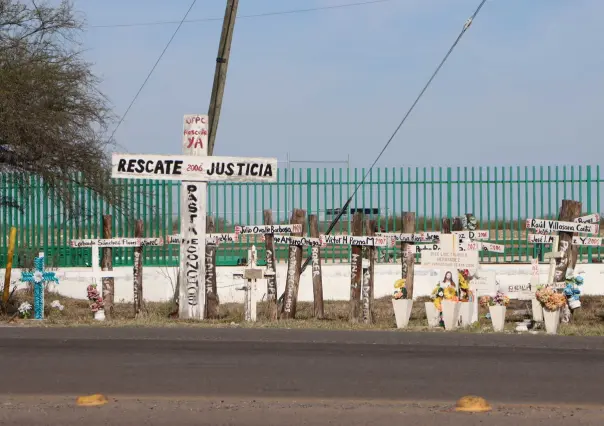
149,370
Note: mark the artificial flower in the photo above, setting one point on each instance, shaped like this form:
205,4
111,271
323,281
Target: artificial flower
400,283
450,293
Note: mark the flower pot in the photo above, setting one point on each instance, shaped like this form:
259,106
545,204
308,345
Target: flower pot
466,310
552,319
497,317
574,304
432,314
402,311
450,314
537,310
99,315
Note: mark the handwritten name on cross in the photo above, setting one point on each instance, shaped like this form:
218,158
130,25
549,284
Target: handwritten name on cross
38,277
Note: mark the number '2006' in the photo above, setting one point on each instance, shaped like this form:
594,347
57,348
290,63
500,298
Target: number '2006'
194,168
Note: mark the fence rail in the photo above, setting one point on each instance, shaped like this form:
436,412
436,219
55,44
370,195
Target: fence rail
500,197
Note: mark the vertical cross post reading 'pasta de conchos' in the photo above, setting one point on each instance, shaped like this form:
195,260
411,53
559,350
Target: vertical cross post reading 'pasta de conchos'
193,170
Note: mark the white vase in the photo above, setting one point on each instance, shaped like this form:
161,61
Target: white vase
402,311
497,317
537,310
552,319
432,314
99,315
466,310
450,314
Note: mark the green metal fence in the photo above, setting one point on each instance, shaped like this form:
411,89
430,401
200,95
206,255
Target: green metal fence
500,197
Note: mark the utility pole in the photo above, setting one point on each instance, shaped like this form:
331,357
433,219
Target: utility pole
222,64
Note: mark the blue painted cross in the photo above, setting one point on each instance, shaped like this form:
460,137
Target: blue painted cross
38,278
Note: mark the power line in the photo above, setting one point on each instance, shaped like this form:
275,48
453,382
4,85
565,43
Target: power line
258,15
347,204
152,69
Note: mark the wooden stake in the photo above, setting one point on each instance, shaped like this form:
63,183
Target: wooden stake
317,277
9,265
368,278
408,259
271,281
107,265
445,226
138,269
212,301
294,267
356,270
457,224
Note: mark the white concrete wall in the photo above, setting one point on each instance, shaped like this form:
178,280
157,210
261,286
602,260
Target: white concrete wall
157,285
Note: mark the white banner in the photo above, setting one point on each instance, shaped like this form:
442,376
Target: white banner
465,260
350,240
541,239
268,229
297,241
472,235
420,237
210,239
558,226
587,241
117,242
193,168
590,218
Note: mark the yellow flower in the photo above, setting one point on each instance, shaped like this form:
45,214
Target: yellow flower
450,293
438,304
462,282
400,283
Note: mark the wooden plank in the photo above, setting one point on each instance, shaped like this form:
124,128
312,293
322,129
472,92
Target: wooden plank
291,228
117,242
540,239
107,265
356,270
407,256
590,218
358,240
294,266
368,277
212,300
193,168
317,276
138,269
271,281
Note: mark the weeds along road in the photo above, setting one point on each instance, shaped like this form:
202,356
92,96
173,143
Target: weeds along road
175,365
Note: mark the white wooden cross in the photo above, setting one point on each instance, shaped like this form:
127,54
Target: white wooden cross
194,172
95,244
252,273
474,241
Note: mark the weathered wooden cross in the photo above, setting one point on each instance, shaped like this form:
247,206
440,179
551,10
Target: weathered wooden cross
194,171
38,278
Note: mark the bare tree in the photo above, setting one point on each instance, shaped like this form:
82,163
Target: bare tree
53,118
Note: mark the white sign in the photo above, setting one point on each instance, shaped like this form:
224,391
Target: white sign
464,260
587,241
420,237
541,239
481,246
350,240
298,241
210,239
195,135
117,242
484,284
193,168
269,229
554,225
492,247
420,248
590,218
472,235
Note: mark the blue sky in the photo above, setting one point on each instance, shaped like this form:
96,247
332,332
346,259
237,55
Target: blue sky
523,87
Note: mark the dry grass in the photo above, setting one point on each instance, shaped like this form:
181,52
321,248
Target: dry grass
587,321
